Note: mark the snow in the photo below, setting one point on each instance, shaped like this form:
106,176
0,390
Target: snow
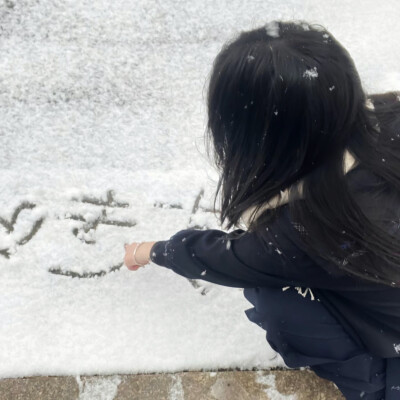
98,388
272,29
268,380
176,391
311,73
102,109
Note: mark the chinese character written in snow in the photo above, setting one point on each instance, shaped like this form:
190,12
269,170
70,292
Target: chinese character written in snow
196,207
10,224
85,232
91,222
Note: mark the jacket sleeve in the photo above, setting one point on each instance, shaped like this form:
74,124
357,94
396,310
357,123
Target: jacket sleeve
210,256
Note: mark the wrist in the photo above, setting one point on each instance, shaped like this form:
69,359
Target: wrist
142,255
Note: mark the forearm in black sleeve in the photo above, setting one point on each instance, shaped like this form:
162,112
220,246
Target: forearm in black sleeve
208,255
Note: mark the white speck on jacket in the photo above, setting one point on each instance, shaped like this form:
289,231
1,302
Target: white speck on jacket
349,163
299,291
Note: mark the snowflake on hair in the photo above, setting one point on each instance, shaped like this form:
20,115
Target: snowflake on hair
311,73
300,228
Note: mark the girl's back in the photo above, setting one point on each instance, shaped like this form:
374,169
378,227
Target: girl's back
285,109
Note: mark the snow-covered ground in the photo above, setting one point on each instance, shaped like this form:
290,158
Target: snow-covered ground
102,117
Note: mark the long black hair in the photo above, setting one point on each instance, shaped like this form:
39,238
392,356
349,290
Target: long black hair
284,103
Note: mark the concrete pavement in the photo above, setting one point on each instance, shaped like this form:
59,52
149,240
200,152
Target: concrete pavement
221,385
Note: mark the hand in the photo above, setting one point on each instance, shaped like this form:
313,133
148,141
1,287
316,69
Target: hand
142,255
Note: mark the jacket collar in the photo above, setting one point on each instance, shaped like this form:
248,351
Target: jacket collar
283,197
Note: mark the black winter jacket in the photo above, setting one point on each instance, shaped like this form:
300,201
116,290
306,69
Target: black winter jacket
369,312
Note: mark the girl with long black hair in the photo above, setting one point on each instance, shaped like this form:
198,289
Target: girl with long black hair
310,167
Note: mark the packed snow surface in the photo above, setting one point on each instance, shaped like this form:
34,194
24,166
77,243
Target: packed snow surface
102,110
